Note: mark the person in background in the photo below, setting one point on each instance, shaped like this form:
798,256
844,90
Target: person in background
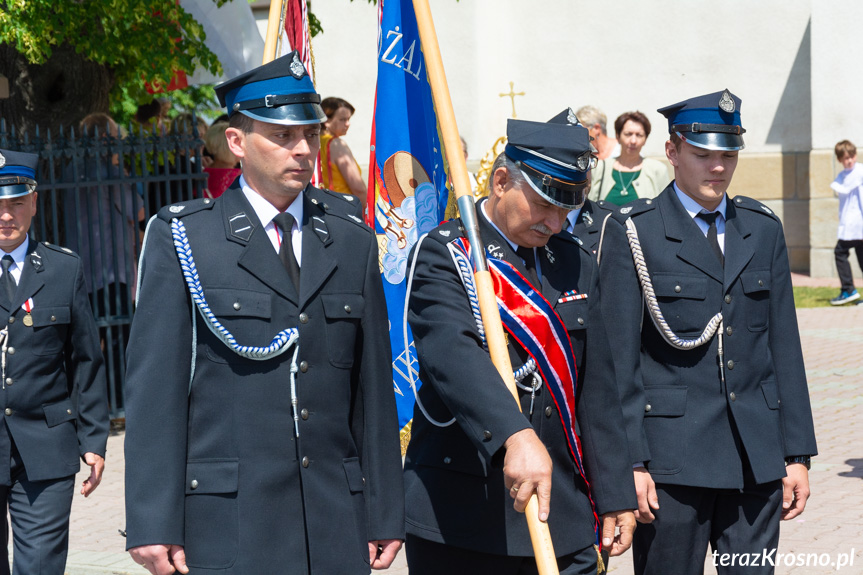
339,169
54,403
596,123
224,168
629,176
848,185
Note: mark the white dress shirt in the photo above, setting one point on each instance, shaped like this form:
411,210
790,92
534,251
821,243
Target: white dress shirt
18,254
267,211
693,208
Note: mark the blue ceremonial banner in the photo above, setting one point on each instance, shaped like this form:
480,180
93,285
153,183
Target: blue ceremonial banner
409,193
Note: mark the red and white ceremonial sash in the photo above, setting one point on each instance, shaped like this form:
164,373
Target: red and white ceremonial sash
529,318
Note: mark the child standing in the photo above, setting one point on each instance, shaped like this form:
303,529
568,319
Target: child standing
849,187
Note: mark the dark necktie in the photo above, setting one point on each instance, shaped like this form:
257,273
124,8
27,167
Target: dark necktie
285,222
712,234
9,284
530,264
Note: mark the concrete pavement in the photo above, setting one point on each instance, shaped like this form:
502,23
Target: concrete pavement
832,523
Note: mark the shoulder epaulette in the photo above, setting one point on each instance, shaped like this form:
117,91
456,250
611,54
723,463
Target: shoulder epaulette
754,206
633,208
60,249
447,231
183,209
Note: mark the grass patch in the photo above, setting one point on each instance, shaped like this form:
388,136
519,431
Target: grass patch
815,296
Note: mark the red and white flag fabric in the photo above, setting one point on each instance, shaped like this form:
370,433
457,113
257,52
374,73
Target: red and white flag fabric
295,35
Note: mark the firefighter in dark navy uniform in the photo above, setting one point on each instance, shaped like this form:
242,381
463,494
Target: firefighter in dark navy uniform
54,396
474,459
715,396
262,434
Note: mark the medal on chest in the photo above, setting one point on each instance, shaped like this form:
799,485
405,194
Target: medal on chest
28,307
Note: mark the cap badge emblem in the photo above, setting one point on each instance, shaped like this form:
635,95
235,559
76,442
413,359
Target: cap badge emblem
297,68
571,117
2,161
176,209
726,102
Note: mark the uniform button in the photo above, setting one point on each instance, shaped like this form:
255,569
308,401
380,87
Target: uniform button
237,305
69,411
11,320
581,321
447,460
9,381
305,461
728,298
304,366
347,309
548,411
728,330
326,207
647,408
194,484
760,283
730,364
732,396
304,317
486,434
53,318
677,289
8,411
304,414
206,200
11,351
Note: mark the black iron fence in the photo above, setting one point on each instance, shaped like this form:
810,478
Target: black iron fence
95,195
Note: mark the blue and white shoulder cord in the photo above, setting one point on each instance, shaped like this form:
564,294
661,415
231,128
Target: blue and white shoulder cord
279,344
465,269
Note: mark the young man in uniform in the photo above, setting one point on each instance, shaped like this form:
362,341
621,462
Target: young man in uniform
262,434
467,481
54,398
708,353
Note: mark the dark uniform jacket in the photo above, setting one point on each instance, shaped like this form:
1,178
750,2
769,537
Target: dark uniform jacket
55,400
588,225
454,485
212,462
692,429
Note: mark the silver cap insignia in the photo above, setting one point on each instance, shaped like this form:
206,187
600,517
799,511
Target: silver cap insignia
571,117
2,161
726,102
297,68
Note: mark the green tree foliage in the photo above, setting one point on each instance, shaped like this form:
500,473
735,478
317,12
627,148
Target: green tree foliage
134,41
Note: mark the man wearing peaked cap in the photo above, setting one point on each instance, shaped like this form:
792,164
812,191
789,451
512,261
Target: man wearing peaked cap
262,346
474,458
715,400
54,402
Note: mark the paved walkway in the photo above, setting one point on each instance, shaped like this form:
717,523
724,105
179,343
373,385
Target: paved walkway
832,524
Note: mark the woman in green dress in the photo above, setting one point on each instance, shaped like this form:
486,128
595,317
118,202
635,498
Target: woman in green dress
630,175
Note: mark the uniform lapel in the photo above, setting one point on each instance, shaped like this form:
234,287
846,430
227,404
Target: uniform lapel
553,274
31,275
317,264
587,227
258,256
679,226
737,251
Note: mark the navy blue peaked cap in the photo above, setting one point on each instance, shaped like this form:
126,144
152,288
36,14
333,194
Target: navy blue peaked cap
711,121
553,156
17,173
279,92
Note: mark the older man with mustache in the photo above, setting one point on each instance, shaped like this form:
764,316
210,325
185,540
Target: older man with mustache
475,459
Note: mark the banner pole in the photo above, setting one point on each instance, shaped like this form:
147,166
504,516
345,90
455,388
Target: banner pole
539,533
274,25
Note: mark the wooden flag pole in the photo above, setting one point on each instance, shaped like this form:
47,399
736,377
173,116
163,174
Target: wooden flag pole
275,25
539,534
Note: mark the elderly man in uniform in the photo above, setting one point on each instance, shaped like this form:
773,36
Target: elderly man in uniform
474,458
262,434
716,403
55,401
